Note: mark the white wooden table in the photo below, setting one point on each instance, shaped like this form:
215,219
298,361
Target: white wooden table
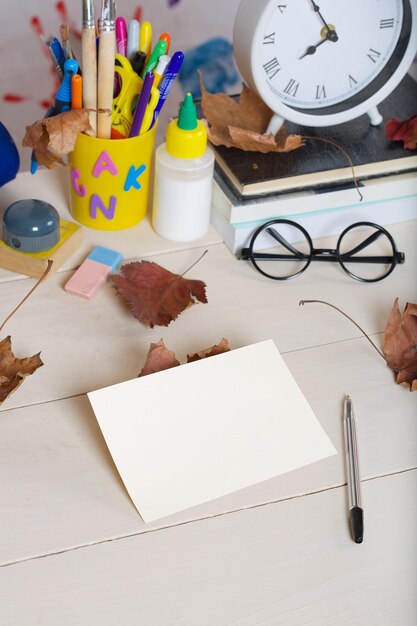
73,549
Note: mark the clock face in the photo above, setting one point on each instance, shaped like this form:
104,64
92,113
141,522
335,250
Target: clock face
329,55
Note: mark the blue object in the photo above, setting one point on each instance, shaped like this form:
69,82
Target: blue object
58,52
31,226
106,256
63,96
9,156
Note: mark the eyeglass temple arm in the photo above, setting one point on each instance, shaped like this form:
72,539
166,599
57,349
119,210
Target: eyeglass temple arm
398,256
366,242
246,253
278,237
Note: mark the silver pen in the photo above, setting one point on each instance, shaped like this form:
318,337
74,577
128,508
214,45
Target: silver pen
354,482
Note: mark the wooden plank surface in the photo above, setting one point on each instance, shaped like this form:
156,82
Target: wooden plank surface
73,548
53,187
60,489
290,562
102,342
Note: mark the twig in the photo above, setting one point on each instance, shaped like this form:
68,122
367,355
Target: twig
46,272
302,302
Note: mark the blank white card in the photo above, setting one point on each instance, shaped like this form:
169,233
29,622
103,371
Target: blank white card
202,430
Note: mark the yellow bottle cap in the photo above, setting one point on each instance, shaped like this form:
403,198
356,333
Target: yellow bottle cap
186,136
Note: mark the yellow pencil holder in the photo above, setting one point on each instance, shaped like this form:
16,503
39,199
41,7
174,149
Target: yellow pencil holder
110,179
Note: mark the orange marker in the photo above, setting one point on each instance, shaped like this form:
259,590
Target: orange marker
76,92
166,37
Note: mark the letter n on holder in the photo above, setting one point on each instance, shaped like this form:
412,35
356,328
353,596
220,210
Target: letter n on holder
97,203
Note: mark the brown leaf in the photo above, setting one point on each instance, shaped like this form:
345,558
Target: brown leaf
156,296
13,371
403,131
400,344
54,137
243,124
219,348
159,358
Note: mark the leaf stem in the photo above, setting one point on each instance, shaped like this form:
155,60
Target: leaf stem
343,151
46,272
302,302
195,263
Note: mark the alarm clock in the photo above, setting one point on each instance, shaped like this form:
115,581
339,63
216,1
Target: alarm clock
326,62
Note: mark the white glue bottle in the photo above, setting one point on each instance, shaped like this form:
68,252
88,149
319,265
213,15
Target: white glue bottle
183,178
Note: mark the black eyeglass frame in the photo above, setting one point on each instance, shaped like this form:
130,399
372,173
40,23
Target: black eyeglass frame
323,254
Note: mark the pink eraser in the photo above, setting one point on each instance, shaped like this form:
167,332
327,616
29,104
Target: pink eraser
87,280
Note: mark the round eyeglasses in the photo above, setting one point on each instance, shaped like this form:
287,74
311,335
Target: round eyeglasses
282,249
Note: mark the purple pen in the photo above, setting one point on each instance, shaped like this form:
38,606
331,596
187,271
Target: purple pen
142,104
167,81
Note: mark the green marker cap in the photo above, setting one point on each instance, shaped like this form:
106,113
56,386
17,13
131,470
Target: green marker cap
187,119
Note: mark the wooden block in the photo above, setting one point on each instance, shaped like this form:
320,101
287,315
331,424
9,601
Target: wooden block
35,263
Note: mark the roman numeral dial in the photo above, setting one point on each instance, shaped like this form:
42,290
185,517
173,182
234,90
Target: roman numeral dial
322,54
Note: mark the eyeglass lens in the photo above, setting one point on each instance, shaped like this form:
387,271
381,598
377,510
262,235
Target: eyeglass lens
281,250
366,252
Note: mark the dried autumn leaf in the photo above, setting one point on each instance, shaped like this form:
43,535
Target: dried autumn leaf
242,124
219,348
13,371
54,137
159,358
155,295
400,344
403,131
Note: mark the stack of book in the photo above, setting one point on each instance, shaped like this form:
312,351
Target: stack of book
313,185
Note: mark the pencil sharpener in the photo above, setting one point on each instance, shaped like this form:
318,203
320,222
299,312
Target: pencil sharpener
31,226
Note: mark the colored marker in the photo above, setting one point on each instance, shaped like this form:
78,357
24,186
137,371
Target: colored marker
166,37
58,69
58,51
145,38
160,68
121,35
132,39
138,62
158,51
142,104
168,78
76,92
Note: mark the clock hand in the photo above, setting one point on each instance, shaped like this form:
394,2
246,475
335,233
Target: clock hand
331,34
312,49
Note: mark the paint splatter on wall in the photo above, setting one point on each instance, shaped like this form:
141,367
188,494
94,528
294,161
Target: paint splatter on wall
215,60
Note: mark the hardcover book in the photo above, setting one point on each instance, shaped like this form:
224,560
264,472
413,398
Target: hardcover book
237,209
319,164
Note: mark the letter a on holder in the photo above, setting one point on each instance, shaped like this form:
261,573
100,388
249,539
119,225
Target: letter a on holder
104,163
132,177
